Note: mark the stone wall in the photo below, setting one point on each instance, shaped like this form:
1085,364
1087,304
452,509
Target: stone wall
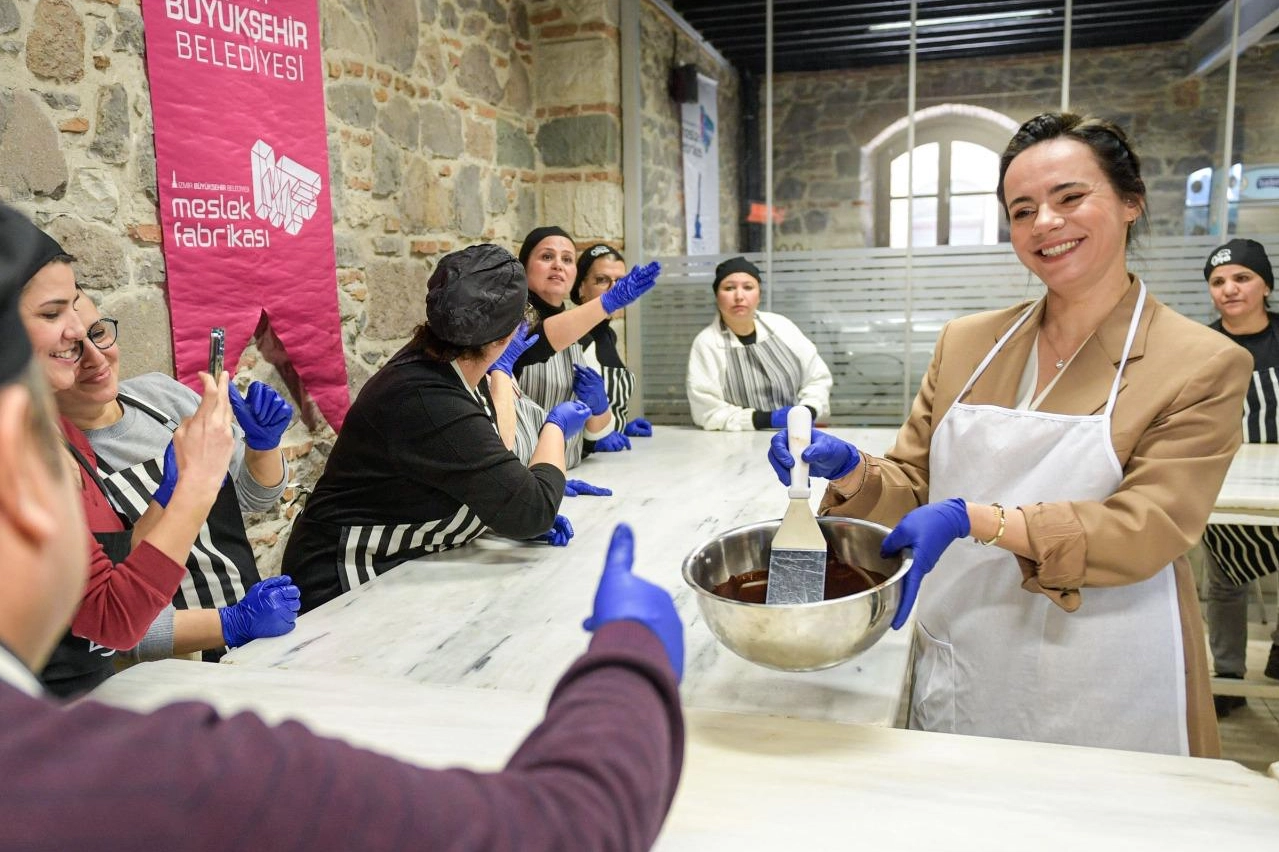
450,122
825,120
664,46
578,137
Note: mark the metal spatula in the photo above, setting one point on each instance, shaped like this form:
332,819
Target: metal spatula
797,565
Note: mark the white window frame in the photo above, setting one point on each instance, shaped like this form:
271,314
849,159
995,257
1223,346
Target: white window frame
943,124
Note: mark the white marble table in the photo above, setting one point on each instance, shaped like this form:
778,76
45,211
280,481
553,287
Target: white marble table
1251,487
753,783
506,615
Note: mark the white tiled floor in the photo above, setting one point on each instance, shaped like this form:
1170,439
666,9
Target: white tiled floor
1250,735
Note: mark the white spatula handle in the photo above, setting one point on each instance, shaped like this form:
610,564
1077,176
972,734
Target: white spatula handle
799,428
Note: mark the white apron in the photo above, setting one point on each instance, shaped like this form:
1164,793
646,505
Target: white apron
994,660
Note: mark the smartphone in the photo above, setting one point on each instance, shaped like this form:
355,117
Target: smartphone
217,351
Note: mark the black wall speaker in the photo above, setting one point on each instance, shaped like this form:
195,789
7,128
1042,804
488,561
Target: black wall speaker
683,84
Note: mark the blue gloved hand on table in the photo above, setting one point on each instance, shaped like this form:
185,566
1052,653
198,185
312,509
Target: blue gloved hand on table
559,533
927,531
622,596
613,442
569,416
263,415
168,479
576,487
638,428
828,457
588,386
519,344
269,608
630,287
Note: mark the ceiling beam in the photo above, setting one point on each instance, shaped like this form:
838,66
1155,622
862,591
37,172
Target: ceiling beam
1210,44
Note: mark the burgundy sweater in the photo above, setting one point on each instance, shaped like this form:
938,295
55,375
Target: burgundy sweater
598,773
121,600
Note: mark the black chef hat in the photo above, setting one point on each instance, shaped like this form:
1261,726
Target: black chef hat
24,250
476,295
536,235
1247,253
584,261
734,264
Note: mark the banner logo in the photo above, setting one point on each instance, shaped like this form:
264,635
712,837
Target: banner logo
284,191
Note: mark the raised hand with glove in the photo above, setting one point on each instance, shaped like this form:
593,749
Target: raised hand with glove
927,531
621,596
578,487
828,457
520,342
588,386
269,608
262,414
630,287
570,417
638,428
559,533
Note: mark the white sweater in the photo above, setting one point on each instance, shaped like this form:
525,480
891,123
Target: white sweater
708,361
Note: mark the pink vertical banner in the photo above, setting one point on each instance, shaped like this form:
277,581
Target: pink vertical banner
237,96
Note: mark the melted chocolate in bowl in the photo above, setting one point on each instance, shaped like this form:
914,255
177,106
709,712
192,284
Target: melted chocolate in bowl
842,580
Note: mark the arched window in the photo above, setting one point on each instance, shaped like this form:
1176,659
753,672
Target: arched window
956,169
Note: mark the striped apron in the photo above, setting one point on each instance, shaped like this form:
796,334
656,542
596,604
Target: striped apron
763,376
529,419
601,355
366,550
221,564
549,383
1246,552
619,383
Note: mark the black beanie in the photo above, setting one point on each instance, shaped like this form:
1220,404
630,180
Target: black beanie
24,250
536,235
476,296
735,264
1248,253
584,261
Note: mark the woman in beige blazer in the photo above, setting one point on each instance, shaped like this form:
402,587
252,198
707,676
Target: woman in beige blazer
1081,441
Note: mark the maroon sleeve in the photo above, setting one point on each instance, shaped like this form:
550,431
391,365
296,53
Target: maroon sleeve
121,600
599,773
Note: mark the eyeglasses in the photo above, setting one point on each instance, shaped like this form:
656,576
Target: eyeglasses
103,333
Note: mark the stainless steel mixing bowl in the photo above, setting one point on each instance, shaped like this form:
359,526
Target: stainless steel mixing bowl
796,637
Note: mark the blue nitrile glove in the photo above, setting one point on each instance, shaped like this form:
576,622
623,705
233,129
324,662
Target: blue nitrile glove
559,533
519,344
613,442
269,608
927,531
622,596
828,457
576,487
638,428
169,479
588,386
263,415
777,417
569,416
630,287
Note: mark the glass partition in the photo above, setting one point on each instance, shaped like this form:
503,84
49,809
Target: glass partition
880,209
